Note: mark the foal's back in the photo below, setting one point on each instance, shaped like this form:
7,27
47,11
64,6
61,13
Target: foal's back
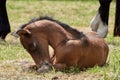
86,52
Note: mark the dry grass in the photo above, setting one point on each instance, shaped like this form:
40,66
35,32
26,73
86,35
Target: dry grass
76,13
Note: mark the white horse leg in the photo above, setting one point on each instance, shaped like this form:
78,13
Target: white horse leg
95,22
98,26
100,21
102,29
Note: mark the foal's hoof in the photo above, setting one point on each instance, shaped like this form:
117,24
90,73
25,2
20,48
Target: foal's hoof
44,69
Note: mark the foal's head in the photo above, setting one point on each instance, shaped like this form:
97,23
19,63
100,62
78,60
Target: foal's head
35,44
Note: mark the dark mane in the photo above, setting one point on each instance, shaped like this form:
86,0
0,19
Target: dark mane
73,31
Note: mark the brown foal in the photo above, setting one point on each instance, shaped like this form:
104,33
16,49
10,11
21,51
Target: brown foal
71,47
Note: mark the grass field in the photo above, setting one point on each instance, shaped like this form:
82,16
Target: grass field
75,13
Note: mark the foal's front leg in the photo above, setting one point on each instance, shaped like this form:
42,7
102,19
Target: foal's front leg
29,66
59,66
33,67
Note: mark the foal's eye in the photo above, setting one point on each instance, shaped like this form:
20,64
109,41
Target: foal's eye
32,47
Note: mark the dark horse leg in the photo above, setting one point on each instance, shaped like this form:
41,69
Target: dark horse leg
99,23
4,23
117,19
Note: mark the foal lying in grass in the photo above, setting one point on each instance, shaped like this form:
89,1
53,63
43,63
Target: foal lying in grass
71,47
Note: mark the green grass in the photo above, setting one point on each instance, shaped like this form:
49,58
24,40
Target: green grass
75,13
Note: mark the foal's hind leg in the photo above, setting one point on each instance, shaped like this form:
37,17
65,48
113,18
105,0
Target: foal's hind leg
58,65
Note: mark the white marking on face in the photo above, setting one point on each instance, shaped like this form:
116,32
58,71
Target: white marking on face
34,44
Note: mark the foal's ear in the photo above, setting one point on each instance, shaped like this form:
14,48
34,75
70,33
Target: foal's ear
23,32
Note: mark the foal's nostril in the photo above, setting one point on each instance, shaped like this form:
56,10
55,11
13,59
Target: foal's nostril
43,69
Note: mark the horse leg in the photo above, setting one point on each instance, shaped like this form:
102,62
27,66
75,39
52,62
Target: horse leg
94,22
117,19
4,23
99,23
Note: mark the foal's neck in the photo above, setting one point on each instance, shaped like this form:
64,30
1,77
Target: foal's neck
57,38
54,32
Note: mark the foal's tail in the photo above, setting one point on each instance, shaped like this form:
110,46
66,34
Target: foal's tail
117,19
